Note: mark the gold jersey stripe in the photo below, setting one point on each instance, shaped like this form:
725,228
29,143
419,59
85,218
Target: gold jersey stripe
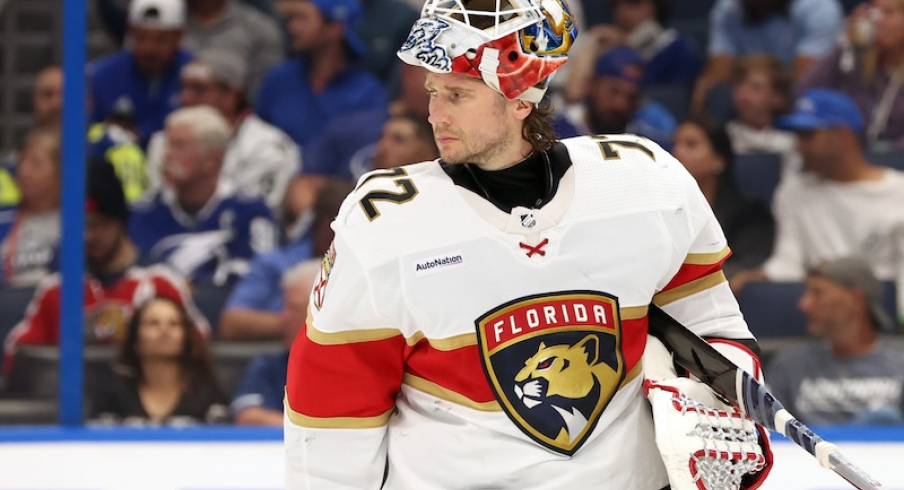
693,287
707,259
447,344
443,393
633,312
305,421
349,337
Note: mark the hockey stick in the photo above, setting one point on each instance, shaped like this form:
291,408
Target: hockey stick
744,391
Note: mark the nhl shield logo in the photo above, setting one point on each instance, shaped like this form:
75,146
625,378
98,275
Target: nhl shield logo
554,362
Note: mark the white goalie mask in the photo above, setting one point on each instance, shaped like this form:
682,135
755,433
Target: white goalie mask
514,46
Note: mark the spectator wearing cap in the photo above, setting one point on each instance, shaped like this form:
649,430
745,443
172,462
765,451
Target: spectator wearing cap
848,376
201,226
615,103
321,82
142,80
841,205
117,279
259,157
794,31
236,28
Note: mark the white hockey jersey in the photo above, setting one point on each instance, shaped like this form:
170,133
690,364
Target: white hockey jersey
478,349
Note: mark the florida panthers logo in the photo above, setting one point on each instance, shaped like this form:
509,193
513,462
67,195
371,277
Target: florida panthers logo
554,362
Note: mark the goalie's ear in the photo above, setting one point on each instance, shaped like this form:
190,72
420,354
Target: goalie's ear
657,361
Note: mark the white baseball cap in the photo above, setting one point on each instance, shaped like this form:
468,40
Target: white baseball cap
157,14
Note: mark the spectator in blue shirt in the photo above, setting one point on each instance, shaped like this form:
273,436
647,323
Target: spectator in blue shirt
259,399
203,228
143,79
794,31
303,94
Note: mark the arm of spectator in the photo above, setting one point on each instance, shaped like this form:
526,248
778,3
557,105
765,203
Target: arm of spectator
821,28
40,324
718,69
246,324
252,311
259,416
301,196
581,63
724,19
259,398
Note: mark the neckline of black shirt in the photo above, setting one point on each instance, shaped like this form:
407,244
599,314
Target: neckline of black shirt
530,183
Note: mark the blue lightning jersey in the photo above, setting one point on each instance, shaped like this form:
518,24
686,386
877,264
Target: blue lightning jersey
216,244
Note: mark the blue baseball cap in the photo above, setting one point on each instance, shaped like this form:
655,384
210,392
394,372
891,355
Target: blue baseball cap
349,13
621,62
821,108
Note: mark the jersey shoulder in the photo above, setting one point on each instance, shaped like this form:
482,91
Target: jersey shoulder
388,197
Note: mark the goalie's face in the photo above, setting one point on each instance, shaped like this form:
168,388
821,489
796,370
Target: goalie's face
474,124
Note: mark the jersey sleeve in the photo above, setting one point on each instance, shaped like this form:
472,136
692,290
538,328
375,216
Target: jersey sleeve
345,369
698,295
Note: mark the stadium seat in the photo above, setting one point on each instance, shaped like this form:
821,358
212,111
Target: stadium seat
770,309
692,9
210,300
676,98
893,159
697,30
13,302
850,5
231,358
35,374
758,175
15,411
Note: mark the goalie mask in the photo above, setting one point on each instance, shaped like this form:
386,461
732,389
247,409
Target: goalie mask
514,46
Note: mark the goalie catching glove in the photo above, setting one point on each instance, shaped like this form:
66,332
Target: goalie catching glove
704,443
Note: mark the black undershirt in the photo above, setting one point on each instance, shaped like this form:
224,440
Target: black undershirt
531,182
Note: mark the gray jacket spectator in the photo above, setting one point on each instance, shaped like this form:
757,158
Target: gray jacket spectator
232,26
848,376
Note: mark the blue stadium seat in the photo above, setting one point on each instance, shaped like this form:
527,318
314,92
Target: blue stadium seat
770,309
210,300
692,9
758,175
674,97
13,302
697,30
850,5
893,159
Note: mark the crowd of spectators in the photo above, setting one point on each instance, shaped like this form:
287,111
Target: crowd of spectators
224,135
